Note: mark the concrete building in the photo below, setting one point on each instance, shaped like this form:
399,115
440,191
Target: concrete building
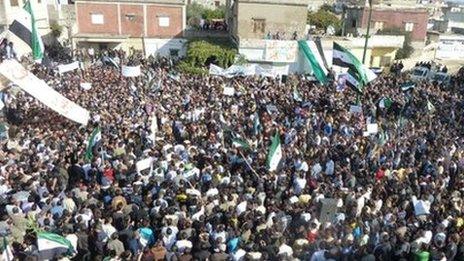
284,56
413,20
454,19
155,26
254,19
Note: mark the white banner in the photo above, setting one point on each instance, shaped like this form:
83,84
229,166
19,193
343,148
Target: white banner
62,68
144,164
130,71
37,88
86,85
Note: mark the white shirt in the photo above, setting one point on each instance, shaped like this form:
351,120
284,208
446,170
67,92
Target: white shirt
183,244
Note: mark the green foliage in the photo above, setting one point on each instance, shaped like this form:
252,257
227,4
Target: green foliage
407,49
326,7
210,14
323,19
187,68
240,59
56,29
196,11
200,51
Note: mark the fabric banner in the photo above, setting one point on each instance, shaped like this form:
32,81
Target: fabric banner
311,53
62,68
86,85
241,70
144,164
37,88
131,71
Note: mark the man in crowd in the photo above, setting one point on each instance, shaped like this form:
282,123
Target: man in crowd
338,192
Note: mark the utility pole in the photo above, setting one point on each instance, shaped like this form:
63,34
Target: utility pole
367,32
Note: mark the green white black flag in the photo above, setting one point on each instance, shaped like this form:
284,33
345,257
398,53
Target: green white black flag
25,27
275,153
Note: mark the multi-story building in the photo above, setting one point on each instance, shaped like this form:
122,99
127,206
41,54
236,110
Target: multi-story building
255,19
413,20
155,26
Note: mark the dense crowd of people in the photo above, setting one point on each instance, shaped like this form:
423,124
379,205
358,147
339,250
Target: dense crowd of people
337,194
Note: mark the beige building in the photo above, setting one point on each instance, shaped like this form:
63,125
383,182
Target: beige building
256,19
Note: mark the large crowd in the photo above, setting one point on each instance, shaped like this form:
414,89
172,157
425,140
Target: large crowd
337,194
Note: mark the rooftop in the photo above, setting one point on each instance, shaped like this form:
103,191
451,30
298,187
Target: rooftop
276,2
166,2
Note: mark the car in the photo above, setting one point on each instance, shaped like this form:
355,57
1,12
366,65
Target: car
420,74
442,78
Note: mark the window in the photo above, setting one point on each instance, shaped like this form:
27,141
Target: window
163,21
259,25
131,17
174,52
378,25
217,3
14,3
408,27
97,18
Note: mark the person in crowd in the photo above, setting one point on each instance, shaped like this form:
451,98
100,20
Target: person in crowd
338,193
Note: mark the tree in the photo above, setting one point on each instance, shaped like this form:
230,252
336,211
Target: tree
201,53
56,30
194,10
323,19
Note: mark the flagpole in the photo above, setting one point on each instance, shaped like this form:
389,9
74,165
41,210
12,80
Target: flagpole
367,32
248,164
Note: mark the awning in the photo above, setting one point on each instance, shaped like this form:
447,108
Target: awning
100,38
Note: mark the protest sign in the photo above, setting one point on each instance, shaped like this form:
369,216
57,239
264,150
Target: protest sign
372,128
144,164
62,68
86,85
131,71
229,91
37,88
355,109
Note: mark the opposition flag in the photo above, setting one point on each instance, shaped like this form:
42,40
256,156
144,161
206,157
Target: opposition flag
407,86
315,57
275,153
51,241
7,254
358,74
385,102
25,27
95,137
240,143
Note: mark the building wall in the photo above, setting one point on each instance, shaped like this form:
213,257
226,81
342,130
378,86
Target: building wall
277,17
134,20
391,18
175,21
110,18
